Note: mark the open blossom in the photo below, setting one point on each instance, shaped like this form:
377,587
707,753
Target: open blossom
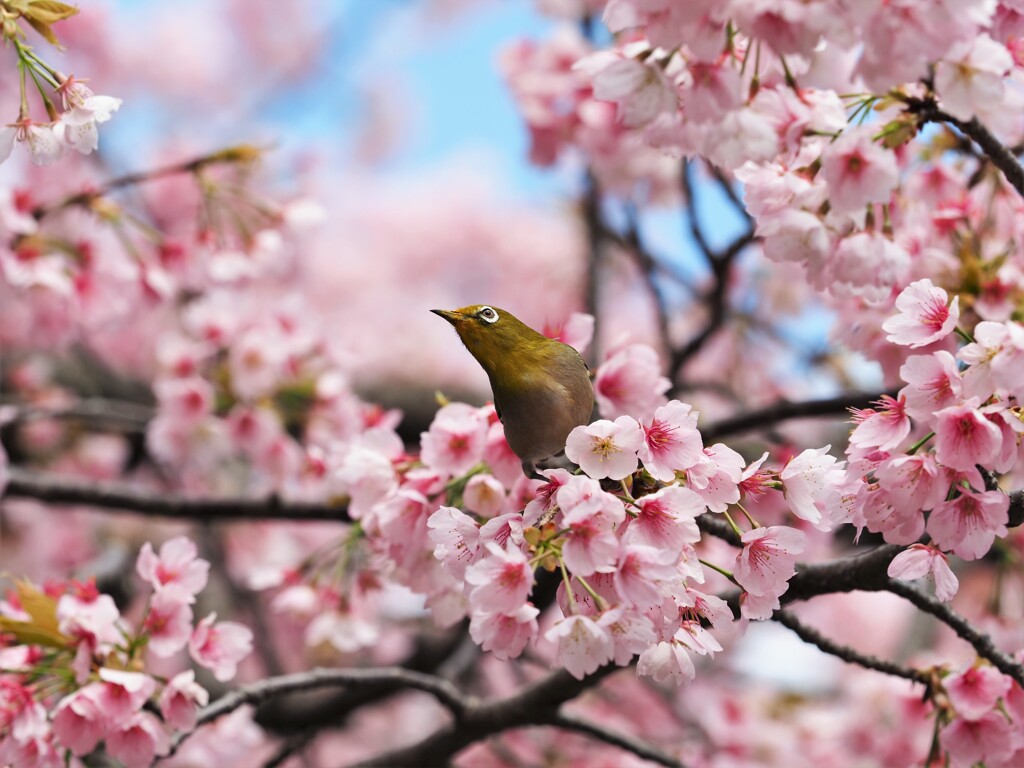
968,524
858,171
219,647
78,721
884,428
919,560
178,570
501,580
84,111
964,437
591,544
583,645
180,699
504,635
43,144
485,495
811,480
168,623
666,661
973,84
606,448
924,315
630,383
996,360
768,559
716,477
641,91
989,739
933,383
666,519
975,691
456,538
671,441
139,741
455,440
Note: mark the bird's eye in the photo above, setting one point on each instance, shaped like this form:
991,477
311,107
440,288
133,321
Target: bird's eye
487,315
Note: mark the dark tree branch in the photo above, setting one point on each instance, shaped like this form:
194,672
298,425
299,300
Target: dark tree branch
964,629
999,155
535,704
122,415
783,411
692,220
388,678
592,222
622,741
844,652
55,489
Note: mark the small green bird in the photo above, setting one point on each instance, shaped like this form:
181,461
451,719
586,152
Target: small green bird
541,387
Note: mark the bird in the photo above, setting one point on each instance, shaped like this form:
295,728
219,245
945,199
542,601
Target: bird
541,387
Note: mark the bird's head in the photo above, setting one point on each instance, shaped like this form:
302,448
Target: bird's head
492,335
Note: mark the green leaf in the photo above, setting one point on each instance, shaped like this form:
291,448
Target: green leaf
44,30
38,605
29,634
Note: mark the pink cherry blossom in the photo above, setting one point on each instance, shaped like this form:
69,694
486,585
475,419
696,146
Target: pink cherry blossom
996,360
484,495
180,699
925,315
716,477
178,570
919,560
543,504
964,437
606,448
666,519
583,645
629,383
933,383
577,331
219,647
968,524
121,694
639,571
858,171
988,739
768,559
972,84
455,440
666,661
139,741
501,579
811,482
455,536
671,441
591,544
975,691
912,482
884,428
640,90
78,721
344,630
168,623
505,635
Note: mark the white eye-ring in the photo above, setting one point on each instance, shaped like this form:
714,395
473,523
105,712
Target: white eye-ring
487,314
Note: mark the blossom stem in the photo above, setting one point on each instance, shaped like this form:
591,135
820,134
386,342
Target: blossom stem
601,602
963,334
568,586
751,520
919,444
728,574
625,492
732,523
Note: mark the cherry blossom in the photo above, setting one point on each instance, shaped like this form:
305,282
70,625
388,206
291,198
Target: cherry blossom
975,691
501,580
768,559
671,441
925,315
811,481
177,570
180,700
968,524
858,171
606,448
629,383
583,645
220,646
964,437
920,560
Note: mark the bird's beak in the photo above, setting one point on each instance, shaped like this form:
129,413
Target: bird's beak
451,316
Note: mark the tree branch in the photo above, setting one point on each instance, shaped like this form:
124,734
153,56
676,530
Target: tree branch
388,678
535,704
851,656
982,643
785,410
122,415
55,489
622,741
997,152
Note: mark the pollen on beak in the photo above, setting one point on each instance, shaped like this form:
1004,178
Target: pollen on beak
450,315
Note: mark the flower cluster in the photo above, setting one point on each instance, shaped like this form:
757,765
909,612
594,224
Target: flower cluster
72,669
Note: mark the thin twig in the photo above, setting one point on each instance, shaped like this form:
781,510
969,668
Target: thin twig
623,741
844,652
784,411
982,643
